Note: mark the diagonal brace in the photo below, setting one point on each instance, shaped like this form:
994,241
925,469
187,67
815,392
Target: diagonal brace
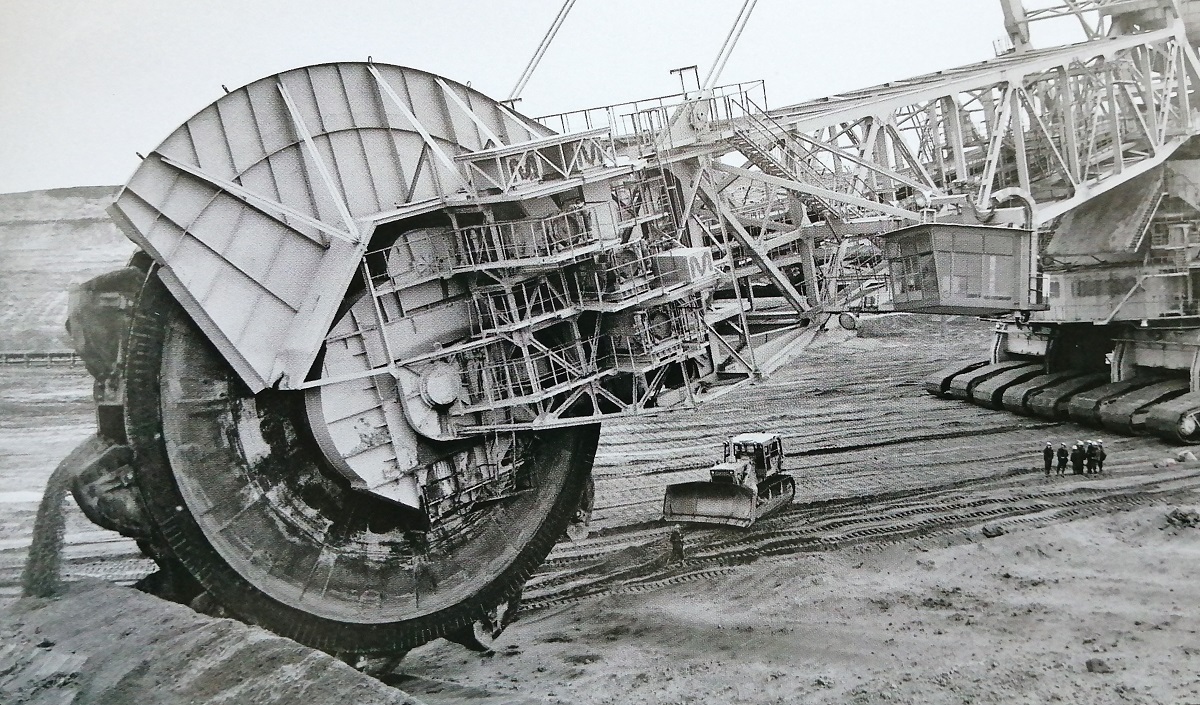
759,255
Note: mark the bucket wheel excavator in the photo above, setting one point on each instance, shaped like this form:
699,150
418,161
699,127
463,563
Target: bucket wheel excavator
287,372
1055,191
350,388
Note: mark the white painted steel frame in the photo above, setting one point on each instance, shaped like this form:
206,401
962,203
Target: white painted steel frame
259,208
1051,128
976,129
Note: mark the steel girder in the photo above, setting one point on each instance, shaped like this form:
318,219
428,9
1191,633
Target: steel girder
1056,126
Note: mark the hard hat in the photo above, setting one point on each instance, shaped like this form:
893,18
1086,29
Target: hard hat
1101,441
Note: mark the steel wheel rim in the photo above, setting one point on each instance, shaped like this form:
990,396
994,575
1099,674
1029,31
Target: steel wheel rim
566,453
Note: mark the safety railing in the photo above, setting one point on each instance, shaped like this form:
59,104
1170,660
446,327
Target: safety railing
791,156
1169,259
416,256
651,115
504,372
781,254
28,357
528,242
648,338
1173,245
769,204
522,304
645,196
565,156
616,276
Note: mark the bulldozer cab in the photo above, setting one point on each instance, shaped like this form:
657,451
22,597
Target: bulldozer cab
763,450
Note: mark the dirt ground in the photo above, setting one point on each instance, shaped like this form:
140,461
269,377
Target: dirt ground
928,612
957,619
109,645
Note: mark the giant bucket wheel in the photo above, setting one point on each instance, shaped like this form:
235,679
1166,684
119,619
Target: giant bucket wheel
242,496
258,211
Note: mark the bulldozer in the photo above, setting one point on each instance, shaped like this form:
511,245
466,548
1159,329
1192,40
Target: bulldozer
747,484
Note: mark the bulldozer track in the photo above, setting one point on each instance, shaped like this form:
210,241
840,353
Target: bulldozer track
627,474
925,437
837,468
852,435
597,548
603,543
840,522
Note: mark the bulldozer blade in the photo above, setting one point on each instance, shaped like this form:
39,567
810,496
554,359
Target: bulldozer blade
709,503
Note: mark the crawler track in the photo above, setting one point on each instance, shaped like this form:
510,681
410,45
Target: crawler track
1143,405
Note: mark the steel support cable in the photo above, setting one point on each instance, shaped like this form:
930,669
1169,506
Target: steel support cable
731,40
541,50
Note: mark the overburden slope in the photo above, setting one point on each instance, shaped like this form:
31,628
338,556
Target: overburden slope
50,240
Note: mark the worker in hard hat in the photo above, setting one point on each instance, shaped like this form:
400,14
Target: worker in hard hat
1077,454
1090,454
1048,456
1100,455
1062,458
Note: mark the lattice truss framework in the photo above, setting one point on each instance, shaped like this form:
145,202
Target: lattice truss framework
1051,128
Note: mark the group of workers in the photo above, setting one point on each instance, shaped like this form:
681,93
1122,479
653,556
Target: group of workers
1086,457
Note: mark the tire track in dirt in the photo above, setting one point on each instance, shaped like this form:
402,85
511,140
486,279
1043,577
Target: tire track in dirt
713,553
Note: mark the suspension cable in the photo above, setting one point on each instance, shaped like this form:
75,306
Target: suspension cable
731,40
537,55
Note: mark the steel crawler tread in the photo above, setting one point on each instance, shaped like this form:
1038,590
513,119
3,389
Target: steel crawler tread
989,392
1015,397
938,383
1176,420
1142,405
1126,413
963,384
1084,408
1051,402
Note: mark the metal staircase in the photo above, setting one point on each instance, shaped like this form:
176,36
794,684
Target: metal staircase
760,140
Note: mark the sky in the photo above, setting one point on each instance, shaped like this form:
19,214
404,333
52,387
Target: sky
84,84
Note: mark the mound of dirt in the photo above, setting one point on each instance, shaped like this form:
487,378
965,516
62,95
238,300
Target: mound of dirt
1184,519
107,645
